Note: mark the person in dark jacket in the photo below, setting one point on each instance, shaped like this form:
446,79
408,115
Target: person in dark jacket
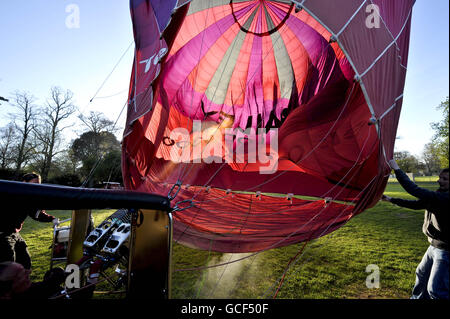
432,274
12,246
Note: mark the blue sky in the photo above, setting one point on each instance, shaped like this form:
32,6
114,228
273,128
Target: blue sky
38,50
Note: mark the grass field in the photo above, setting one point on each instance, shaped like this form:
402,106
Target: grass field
333,266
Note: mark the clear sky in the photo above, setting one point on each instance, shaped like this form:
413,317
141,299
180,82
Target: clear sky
39,50
42,45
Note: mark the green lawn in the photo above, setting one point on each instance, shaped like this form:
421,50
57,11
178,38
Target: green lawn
333,266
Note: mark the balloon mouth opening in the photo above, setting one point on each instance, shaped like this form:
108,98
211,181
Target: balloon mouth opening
247,25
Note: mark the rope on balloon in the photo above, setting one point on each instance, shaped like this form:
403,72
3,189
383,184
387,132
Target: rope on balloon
360,75
242,91
343,177
290,235
354,174
111,95
219,126
301,252
307,223
101,158
194,83
292,164
297,255
267,181
213,176
254,255
107,77
294,260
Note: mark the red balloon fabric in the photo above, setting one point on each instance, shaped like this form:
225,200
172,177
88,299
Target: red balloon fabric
267,123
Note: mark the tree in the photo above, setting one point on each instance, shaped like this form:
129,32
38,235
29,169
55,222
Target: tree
7,140
96,152
107,169
431,159
407,162
94,145
68,162
440,138
97,122
23,121
64,170
58,108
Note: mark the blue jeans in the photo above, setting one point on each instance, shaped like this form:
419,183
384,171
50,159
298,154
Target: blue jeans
432,275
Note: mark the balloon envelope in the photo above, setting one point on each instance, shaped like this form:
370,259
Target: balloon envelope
267,122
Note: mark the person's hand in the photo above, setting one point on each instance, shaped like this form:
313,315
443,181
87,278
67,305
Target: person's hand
17,275
393,164
385,198
55,222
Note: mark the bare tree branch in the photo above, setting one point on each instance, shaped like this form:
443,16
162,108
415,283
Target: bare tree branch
97,122
58,108
23,119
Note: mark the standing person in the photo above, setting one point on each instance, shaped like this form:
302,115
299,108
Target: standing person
432,274
12,246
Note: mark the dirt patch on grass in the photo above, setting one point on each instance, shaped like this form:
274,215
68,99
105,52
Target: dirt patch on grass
382,294
403,215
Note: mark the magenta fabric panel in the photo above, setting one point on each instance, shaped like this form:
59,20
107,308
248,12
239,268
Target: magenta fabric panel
324,69
180,65
254,91
163,11
394,14
385,80
333,14
364,45
391,88
149,50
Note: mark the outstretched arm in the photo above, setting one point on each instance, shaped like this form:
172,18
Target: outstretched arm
411,204
42,216
410,187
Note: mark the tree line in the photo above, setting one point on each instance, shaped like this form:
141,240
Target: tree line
435,155
33,140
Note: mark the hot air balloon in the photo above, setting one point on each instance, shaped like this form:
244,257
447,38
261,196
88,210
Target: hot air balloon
266,123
